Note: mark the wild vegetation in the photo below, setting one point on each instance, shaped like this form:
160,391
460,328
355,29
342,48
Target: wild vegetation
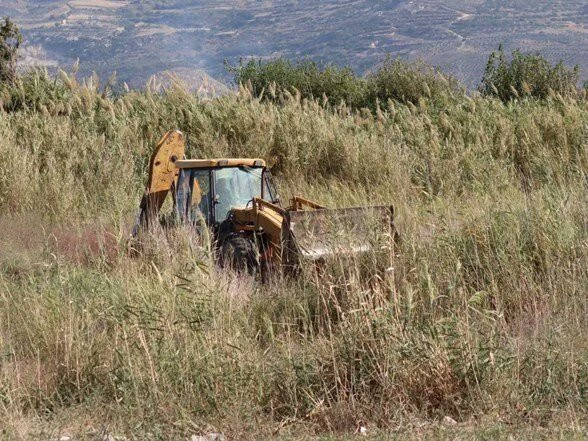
397,81
526,75
394,80
481,317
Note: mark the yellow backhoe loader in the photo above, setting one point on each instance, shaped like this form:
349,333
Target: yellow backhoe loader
237,201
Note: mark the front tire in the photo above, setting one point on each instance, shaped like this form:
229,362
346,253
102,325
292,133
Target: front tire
240,254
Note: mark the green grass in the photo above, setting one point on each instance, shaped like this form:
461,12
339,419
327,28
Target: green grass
483,317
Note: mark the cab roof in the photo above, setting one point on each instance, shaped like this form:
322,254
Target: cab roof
220,162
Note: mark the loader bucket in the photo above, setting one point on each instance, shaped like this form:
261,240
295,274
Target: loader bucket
315,235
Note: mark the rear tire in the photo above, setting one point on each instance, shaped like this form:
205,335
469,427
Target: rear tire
240,254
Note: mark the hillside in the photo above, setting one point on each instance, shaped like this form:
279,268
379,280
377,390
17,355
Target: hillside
141,38
475,330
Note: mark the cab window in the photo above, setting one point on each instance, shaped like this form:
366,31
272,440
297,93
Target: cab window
200,200
235,187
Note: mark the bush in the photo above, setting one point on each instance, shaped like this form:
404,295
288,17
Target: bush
307,77
397,80
407,82
526,75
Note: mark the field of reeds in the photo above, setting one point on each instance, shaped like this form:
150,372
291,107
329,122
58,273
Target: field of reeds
478,330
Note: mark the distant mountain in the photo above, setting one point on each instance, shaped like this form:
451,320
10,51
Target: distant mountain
139,38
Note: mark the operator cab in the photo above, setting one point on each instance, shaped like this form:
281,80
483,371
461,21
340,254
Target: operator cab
210,189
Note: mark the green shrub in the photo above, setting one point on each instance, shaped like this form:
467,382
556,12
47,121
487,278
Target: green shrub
307,77
396,80
407,82
526,75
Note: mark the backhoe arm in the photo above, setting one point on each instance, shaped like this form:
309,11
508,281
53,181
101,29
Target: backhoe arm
163,175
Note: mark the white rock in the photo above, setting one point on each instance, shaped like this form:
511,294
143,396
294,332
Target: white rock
208,437
448,421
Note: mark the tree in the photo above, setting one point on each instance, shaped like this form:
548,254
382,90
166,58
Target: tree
10,41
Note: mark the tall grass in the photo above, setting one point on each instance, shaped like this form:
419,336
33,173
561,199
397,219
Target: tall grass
480,316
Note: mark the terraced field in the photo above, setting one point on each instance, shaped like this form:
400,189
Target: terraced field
138,39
